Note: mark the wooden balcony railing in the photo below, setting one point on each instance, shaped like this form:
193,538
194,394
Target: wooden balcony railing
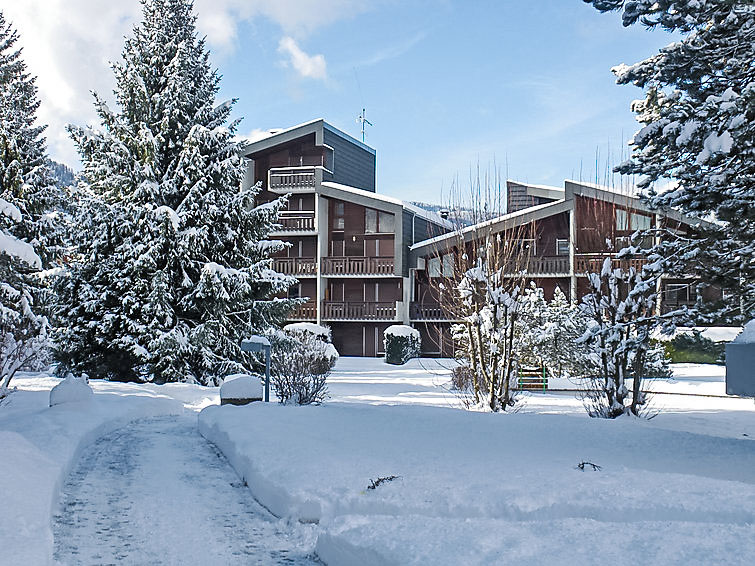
295,265
285,179
426,311
593,263
296,222
356,265
358,310
556,265
305,311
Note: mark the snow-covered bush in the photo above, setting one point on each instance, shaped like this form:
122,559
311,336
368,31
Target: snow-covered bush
70,390
621,315
693,347
300,363
317,330
402,343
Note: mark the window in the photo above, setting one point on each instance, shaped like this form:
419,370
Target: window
338,212
448,265
622,220
370,221
562,246
385,222
677,293
640,222
626,221
433,267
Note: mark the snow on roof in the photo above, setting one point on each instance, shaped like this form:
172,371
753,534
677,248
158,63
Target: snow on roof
426,214
493,221
260,135
532,185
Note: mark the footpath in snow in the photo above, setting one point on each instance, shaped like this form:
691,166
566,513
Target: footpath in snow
155,492
39,446
125,477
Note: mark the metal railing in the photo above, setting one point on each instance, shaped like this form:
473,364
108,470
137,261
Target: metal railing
295,265
358,310
357,265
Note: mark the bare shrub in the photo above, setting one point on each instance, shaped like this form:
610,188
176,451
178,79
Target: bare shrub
299,367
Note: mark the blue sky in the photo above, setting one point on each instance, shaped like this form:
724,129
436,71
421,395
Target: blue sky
446,83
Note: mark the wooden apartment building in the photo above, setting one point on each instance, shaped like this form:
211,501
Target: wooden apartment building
365,261
567,233
349,245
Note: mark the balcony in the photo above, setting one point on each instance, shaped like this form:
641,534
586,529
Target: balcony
358,310
542,266
299,266
296,221
305,311
294,179
357,265
593,263
426,311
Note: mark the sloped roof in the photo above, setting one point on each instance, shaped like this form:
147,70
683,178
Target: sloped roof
426,214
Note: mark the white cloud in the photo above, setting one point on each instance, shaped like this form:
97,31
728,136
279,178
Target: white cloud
68,45
310,66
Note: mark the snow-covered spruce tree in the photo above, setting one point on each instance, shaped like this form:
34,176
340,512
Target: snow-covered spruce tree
29,236
621,311
550,333
173,268
698,120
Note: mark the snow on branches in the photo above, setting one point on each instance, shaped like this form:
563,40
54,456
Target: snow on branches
698,129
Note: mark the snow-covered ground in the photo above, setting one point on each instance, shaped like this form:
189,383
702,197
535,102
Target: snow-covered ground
473,488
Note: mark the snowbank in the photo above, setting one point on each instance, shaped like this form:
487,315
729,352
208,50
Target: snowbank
385,540
456,468
39,445
70,390
747,336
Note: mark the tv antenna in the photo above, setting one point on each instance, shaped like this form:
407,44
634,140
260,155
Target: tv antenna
364,121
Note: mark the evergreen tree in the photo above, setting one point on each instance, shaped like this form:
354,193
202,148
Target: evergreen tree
698,121
173,269
28,227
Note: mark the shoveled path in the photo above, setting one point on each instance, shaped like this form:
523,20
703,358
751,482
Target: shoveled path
156,492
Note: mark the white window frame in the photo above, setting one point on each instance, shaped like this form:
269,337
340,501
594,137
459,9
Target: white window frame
564,241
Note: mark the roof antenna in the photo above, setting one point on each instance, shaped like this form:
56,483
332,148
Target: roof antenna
363,120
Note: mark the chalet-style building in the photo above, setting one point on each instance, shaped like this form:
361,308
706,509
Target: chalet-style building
567,233
349,245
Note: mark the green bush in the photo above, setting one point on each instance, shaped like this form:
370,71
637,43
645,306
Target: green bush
695,348
402,343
